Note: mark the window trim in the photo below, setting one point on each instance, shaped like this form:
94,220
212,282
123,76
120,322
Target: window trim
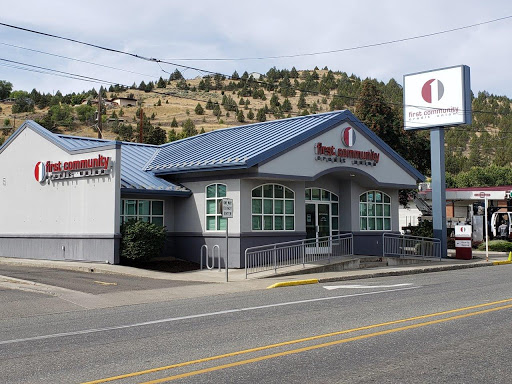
273,215
383,204
217,214
123,215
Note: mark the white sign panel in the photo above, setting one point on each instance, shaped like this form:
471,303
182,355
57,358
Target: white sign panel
227,208
462,231
437,98
462,243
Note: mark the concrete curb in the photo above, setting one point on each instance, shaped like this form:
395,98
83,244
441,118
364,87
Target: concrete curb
406,272
293,282
501,262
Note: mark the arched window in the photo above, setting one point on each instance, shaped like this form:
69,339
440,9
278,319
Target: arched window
273,208
214,219
374,211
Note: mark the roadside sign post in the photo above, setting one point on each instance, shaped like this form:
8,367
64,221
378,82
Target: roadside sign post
227,213
483,195
434,100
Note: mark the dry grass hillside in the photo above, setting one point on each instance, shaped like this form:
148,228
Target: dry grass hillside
180,105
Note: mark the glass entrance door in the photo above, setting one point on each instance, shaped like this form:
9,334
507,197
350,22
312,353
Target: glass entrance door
318,224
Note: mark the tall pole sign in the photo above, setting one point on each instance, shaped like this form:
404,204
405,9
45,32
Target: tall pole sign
436,100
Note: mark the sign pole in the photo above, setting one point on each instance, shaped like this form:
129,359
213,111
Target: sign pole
438,187
227,213
227,250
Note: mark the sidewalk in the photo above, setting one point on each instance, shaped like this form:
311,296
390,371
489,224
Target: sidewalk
295,273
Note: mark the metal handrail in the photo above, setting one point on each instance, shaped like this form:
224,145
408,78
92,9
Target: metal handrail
397,245
279,255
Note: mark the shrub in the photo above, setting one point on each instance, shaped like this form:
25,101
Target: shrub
141,241
497,246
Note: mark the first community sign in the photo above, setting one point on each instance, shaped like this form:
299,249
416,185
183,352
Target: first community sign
437,98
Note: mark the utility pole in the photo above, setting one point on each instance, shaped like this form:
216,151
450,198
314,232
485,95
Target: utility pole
100,135
140,130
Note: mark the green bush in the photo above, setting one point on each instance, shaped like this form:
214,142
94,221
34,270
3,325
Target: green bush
423,229
141,241
497,246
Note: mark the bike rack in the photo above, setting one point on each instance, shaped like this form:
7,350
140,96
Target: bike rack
206,254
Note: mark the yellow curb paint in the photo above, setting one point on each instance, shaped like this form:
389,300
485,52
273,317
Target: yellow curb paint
104,283
295,282
501,262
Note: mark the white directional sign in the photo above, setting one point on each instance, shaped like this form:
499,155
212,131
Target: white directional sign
227,208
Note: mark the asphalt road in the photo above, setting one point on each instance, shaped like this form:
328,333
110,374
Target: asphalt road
94,283
439,327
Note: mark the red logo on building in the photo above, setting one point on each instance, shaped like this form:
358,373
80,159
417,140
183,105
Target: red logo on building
348,137
40,172
432,90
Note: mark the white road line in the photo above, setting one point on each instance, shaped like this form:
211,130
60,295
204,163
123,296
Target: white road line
168,320
360,286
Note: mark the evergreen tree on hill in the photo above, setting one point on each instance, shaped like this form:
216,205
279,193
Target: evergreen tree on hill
386,121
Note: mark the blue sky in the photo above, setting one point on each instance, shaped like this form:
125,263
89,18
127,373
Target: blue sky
176,30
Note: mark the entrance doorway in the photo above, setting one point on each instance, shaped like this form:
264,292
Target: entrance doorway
322,219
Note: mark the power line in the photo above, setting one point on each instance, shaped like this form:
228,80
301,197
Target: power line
350,48
74,59
158,61
113,50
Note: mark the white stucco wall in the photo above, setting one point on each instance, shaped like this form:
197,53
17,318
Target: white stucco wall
301,160
84,206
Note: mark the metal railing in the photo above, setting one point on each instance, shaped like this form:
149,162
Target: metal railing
274,256
396,245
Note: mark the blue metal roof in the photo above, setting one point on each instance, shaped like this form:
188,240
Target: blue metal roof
222,149
238,147
133,178
248,145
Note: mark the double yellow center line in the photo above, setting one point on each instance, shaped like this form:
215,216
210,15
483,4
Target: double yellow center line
480,309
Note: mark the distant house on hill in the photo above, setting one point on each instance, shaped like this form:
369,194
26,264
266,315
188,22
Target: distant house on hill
255,75
125,101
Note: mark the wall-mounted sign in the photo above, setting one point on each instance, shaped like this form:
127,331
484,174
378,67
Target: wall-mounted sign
341,155
437,98
59,170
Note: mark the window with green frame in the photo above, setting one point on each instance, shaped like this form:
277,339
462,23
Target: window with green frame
151,211
273,208
374,211
214,219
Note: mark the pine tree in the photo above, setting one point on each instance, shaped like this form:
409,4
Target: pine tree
240,116
174,123
199,109
189,128
302,101
260,116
